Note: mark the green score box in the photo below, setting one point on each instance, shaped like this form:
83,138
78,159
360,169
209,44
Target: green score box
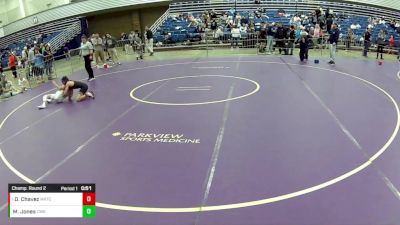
89,211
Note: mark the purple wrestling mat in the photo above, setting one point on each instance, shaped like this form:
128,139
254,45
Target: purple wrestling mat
251,140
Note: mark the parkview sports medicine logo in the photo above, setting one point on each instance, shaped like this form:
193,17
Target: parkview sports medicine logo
155,138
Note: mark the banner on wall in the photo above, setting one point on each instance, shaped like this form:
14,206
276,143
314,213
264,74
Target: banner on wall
1,32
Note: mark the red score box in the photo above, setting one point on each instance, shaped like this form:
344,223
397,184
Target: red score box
89,198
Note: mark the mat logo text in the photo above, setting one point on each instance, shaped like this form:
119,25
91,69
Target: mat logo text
158,138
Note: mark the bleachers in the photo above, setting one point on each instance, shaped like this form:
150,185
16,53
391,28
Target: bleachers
181,31
49,29
19,46
61,33
289,5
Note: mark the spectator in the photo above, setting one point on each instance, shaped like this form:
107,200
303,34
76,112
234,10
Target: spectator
381,43
126,42
303,42
149,41
333,40
31,57
111,43
292,38
243,28
329,22
235,32
353,26
310,31
12,63
270,38
138,46
123,36
38,66
296,20
262,36
391,44
298,32
238,18
167,38
67,53
367,41
107,57
224,18
392,24
317,35
279,38
213,14
131,36
219,34
98,50
244,20
214,25
24,56
48,58
41,48
173,17
193,23
349,38
6,88
229,26
39,38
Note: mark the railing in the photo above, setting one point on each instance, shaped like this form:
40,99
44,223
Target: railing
65,36
33,73
160,21
52,27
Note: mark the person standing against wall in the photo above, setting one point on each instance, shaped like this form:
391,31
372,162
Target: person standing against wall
149,41
87,54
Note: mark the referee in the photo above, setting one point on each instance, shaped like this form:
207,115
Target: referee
87,53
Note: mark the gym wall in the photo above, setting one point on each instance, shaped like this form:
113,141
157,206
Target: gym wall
125,21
